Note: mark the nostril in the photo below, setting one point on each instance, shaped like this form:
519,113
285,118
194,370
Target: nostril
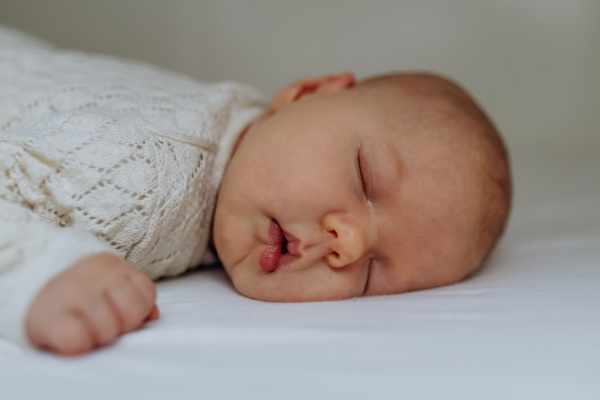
335,254
334,233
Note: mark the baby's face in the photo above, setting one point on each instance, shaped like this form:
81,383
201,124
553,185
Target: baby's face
331,198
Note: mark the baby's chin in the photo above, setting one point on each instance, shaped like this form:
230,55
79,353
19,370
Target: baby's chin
277,295
270,298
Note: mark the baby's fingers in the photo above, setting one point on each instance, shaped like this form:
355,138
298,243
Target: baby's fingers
68,334
129,304
101,318
144,285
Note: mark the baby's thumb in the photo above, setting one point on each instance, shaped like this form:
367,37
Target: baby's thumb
154,314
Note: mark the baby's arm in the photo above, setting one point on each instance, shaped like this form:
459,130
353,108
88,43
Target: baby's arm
47,268
90,304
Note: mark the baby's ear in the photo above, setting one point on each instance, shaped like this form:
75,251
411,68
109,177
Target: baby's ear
326,84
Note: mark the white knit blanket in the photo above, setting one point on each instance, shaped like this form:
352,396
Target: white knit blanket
101,154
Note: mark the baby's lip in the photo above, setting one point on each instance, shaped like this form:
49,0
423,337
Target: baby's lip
271,256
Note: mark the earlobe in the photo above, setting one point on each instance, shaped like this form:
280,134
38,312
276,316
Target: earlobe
322,85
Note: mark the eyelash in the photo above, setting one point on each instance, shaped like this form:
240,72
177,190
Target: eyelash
360,174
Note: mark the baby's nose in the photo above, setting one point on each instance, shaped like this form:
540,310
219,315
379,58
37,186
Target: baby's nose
348,240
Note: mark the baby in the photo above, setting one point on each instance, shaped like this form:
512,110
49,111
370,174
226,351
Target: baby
337,190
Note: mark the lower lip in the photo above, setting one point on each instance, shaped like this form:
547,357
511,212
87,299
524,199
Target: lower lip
272,251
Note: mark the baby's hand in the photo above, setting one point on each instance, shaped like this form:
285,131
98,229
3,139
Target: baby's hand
90,304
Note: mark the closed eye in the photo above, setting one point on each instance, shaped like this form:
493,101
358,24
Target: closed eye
360,174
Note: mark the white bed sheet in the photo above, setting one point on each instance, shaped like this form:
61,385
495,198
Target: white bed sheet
526,326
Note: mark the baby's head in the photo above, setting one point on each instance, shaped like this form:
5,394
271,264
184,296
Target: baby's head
394,184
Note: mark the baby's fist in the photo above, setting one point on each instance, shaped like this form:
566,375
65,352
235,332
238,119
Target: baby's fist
97,299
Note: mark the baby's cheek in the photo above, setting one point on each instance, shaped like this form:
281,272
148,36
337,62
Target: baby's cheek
232,240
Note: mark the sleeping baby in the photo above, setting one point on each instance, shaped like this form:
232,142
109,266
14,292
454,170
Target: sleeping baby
115,173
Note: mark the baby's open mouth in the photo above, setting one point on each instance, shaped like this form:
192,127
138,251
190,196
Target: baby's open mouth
276,252
284,245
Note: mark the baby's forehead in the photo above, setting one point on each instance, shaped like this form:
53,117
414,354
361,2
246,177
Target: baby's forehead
418,98
430,110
